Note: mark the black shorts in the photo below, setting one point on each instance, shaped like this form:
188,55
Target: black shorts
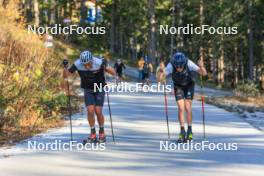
145,76
184,92
94,98
119,74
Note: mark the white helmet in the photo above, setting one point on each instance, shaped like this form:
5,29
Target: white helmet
86,57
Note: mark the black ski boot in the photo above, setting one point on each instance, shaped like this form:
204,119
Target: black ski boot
181,138
189,136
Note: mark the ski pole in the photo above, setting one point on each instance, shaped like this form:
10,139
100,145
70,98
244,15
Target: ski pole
203,113
65,64
166,111
110,113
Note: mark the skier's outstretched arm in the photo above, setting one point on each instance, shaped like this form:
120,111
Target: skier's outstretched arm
199,68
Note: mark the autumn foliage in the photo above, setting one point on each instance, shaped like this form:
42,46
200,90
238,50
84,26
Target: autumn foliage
29,77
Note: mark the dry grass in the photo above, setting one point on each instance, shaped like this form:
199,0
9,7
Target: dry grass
29,79
248,101
11,135
256,102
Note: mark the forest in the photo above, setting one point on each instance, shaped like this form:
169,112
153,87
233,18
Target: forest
133,31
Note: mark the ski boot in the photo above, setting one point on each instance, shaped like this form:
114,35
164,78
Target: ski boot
91,139
181,138
102,137
189,136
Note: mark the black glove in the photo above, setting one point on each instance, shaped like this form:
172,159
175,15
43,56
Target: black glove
65,63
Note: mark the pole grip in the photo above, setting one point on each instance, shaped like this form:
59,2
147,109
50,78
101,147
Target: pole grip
65,63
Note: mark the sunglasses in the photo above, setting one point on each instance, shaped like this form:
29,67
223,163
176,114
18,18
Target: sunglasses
89,64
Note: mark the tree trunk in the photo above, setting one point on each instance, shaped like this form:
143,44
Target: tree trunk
214,70
180,36
221,72
121,44
83,12
241,63
70,5
221,64
36,13
236,65
152,30
262,79
172,24
96,11
28,11
134,48
112,29
212,65
201,50
52,12
250,42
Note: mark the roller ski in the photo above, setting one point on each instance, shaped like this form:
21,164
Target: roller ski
92,139
181,138
189,136
102,138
